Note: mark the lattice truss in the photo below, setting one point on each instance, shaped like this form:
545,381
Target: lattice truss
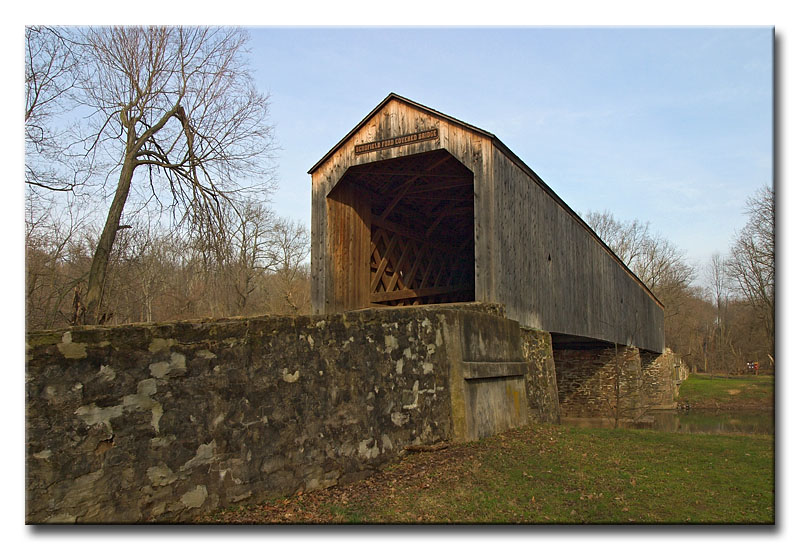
422,229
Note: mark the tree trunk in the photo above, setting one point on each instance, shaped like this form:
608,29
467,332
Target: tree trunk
99,268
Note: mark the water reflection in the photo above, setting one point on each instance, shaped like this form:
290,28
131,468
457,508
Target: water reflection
693,421
743,422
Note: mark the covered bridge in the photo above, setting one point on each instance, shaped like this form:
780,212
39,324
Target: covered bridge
413,206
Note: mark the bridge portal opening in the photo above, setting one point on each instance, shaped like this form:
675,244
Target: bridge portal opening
402,232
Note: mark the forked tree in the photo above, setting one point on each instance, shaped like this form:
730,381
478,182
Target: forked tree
176,110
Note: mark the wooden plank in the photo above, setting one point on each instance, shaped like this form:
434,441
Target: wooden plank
421,252
405,187
402,231
348,249
580,290
376,277
398,267
318,252
416,293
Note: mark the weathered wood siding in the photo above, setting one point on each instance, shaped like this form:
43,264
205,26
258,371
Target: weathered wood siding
554,274
348,244
396,119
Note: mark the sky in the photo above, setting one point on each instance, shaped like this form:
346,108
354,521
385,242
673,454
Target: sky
671,126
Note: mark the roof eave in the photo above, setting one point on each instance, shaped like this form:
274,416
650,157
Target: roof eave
381,105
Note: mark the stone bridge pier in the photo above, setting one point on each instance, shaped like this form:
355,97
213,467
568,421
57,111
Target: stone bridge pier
602,381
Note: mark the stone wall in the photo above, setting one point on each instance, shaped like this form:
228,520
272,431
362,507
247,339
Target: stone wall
164,422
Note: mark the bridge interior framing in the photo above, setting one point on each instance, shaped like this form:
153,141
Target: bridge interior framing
420,213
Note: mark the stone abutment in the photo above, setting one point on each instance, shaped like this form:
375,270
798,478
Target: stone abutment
166,422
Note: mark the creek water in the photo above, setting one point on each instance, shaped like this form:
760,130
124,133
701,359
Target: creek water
705,421
692,421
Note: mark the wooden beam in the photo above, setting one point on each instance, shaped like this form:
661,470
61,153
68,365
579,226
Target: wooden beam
442,270
441,187
403,232
382,266
408,174
447,211
406,186
397,268
442,215
416,293
421,252
397,198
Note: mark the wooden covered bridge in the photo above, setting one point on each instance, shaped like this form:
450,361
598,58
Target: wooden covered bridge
415,207
411,207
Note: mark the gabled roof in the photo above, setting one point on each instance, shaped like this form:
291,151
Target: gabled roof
507,152
407,101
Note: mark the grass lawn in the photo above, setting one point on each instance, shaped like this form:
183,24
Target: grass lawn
740,392
552,474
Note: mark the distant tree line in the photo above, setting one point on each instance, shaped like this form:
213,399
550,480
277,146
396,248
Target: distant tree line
727,320
148,170
157,273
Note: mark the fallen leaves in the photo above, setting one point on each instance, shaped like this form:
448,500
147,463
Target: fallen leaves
483,482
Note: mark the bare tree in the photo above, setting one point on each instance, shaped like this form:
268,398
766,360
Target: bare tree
177,110
655,260
625,239
50,84
290,249
140,266
54,260
717,275
249,255
752,260
719,334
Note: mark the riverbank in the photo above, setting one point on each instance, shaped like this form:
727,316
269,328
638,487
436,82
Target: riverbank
716,392
545,474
